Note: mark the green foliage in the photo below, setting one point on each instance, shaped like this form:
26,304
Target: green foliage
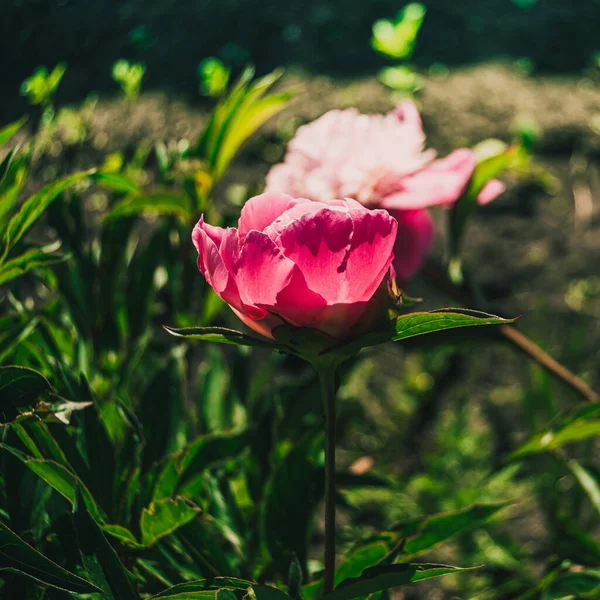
396,38
213,77
42,85
129,76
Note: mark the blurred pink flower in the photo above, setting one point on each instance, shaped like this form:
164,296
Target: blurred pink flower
297,261
380,161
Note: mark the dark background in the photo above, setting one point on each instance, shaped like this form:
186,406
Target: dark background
322,36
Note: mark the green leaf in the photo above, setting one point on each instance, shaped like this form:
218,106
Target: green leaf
427,533
383,577
17,556
20,387
123,534
421,323
401,78
33,208
246,121
32,259
588,481
580,585
266,592
220,335
397,38
57,477
213,76
6,164
9,130
117,182
185,591
359,560
295,488
164,516
572,430
189,463
161,203
99,556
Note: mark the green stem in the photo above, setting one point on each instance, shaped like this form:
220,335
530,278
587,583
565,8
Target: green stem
327,381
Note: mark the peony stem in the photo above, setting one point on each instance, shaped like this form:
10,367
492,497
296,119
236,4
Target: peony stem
327,381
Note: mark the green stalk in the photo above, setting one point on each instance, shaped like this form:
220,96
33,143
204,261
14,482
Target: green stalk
327,381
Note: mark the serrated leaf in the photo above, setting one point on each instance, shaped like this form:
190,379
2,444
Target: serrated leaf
161,203
33,208
384,577
164,516
220,335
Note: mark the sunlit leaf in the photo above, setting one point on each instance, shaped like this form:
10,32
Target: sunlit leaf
572,430
588,480
9,130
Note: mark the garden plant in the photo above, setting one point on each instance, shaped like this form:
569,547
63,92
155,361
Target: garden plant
184,376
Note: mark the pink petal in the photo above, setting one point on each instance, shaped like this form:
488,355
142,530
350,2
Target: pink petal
408,113
440,182
262,210
491,190
370,254
270,282
213,267
415,234
342,254
318,244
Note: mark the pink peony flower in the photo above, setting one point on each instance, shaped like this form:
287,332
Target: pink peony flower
298,261
379,161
